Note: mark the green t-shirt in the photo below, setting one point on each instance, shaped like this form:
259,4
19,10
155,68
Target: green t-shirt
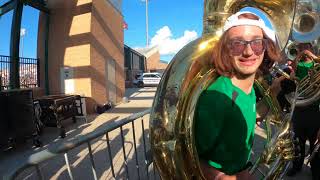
303,68
224,125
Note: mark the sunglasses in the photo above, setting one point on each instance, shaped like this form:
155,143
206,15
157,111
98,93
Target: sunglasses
238,46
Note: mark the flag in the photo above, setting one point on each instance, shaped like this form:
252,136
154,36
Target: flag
124,25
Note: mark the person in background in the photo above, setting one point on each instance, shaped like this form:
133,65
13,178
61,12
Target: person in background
304,61
306,122
286,86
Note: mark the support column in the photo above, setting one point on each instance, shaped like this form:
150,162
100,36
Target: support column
46,56
14,45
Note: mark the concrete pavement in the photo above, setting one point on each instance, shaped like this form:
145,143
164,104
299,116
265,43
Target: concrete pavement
139,100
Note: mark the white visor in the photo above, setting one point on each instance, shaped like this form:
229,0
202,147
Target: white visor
234,20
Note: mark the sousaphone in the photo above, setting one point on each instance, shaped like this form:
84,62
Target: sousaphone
190,72
306,29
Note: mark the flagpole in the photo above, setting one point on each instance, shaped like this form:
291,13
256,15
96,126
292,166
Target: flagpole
22,34
147,36
21,46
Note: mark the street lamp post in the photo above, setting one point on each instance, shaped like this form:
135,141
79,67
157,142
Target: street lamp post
147,24
22,34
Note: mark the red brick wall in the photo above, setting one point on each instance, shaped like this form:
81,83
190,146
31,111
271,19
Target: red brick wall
107,32
153,62
83,35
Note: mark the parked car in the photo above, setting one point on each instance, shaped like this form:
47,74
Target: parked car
147,79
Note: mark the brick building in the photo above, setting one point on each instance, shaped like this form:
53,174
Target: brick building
135,63
154,64
142,60
86,51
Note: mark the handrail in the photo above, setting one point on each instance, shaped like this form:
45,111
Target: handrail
65,146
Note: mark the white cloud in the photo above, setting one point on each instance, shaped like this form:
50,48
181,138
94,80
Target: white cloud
167,44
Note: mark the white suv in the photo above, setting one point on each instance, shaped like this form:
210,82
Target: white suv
148,79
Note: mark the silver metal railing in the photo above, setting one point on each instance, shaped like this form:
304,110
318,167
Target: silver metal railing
139,165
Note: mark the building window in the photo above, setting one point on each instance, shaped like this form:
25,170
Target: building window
135,61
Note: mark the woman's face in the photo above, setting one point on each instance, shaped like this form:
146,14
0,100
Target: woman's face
246,62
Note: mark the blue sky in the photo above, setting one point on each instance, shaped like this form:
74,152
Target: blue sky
29,22
168,19
170,27
172,24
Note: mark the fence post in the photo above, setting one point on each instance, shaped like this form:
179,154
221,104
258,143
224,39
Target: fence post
1,83
38,72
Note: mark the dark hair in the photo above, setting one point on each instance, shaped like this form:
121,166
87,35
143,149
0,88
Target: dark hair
221,58
303,46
